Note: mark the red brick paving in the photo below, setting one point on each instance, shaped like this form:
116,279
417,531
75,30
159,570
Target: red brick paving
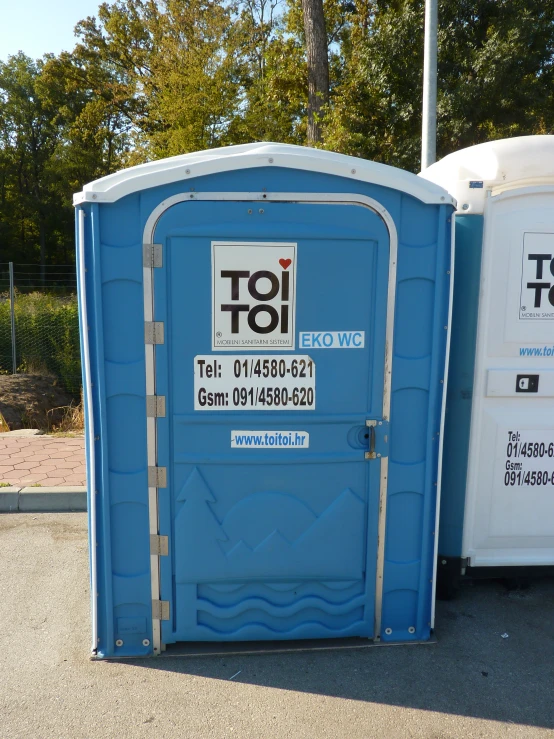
45,460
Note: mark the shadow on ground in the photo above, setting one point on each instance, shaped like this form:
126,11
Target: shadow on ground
471,671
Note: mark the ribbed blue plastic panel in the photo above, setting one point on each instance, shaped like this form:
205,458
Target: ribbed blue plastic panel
467,279
299,600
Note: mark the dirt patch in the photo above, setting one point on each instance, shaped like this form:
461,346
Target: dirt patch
33,401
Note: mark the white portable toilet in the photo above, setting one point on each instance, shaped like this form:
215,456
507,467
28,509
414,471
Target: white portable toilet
497,507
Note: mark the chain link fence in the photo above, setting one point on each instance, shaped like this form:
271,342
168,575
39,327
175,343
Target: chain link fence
39,325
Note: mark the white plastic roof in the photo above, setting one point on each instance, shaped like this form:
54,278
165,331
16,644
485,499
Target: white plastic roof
498,165
115,186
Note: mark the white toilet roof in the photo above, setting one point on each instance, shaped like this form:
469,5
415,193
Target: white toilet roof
521,161
186,166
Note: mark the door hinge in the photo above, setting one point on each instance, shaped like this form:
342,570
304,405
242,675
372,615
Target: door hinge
157,477
152,255
159,545
160,610
153,332
155,406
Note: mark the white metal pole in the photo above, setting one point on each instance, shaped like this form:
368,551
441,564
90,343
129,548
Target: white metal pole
429,122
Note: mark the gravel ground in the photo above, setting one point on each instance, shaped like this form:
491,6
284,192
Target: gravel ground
472,683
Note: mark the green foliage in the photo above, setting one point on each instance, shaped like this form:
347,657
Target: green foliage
376,107
495,77
27,142
274,84
195,77
155,78
47,337
201,73
56,133
496,70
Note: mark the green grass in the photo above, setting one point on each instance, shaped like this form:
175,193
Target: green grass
47,337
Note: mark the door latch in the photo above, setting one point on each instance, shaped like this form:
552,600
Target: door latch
371,453
378,439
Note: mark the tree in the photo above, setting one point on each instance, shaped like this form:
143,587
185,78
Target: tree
176,70
153,78
496,65
318,66
272,75
495,77
59,128
194,87
115,55
375,110
28,138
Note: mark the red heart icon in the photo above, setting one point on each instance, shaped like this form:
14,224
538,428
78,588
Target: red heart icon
285,263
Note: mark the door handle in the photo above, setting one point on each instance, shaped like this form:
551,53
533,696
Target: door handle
371,453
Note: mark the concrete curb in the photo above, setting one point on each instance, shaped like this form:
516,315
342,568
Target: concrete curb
20,434
43,500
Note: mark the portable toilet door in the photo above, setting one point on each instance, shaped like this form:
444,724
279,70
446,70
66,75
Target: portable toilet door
258,317
497,507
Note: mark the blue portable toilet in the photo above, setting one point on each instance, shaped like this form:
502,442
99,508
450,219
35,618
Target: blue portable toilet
264,333
497,506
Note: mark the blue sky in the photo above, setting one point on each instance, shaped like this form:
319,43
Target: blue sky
41,26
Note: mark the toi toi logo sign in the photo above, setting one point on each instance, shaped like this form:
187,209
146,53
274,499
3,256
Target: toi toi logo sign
253,295
537,278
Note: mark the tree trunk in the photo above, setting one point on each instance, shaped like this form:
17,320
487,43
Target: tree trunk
318,65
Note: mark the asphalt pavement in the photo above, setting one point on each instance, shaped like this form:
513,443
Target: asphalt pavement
490,674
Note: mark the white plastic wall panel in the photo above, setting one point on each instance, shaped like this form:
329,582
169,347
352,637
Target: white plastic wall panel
509,515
